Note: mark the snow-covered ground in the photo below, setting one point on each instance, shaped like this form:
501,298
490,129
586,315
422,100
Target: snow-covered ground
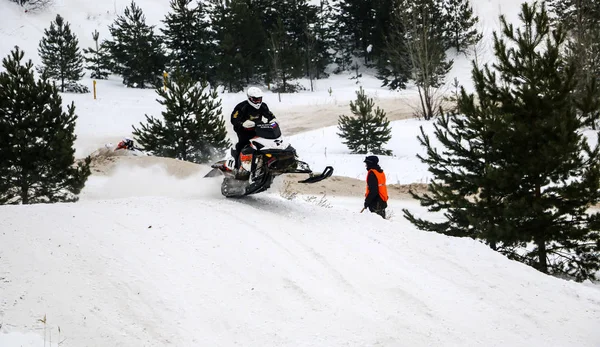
202,270
149,259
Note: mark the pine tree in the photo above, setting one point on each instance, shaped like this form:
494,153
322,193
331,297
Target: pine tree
290,41
341,46
460,30
322,36
193,127
286,58
396,70
188,39
362,26
576,15
367,132
241,43
98,59
59,50
515,170
36,139
33,5
426,50
228,61
582,20
383,28
136,51
354,24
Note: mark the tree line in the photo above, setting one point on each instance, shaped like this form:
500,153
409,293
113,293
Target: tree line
235,43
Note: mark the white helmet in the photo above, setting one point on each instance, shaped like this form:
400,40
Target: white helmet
255,96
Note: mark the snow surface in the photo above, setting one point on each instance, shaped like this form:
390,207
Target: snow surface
148,259
150,271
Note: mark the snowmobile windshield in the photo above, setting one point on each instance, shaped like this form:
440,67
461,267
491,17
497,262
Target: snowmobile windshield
269,131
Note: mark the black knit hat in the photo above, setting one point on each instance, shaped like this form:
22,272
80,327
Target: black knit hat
371,160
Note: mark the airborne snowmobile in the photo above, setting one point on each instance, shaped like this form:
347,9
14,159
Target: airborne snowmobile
267,156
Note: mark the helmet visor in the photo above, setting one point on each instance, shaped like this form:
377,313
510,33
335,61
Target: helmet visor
255,100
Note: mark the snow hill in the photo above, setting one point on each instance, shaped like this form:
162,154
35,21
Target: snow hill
153,255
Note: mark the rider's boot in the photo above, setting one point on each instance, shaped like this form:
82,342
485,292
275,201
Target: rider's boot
236,168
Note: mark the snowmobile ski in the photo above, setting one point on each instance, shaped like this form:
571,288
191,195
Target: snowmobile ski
319,177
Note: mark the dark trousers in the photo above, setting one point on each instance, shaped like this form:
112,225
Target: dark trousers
379,208
244,137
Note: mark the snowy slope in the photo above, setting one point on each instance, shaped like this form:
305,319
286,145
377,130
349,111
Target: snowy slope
153,271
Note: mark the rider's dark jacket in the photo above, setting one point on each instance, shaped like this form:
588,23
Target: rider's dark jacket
244,111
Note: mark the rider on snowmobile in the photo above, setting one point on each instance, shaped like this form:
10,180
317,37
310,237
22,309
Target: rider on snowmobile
127,143
244,116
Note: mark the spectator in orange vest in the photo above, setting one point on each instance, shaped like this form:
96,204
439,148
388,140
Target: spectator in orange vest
376,196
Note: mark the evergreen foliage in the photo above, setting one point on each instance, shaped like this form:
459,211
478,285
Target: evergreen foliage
188,39
59,51
285,56
397,69
36,139
192,127
136,50
427,53
356,21
98,58
241,44
322,37
515,170
582,20
460,29
368,130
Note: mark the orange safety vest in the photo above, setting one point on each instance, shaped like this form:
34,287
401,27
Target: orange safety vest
380,183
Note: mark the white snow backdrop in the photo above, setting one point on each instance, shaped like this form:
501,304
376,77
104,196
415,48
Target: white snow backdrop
147,259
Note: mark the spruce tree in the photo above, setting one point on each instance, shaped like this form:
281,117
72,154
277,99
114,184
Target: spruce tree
189,40
59,50
97,59
136,50
36,139
515,170
460,29
193,127
367,131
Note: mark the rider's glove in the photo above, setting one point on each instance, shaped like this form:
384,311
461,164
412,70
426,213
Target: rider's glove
248,124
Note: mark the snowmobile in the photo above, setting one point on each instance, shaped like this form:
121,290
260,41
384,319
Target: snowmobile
267,156
127,147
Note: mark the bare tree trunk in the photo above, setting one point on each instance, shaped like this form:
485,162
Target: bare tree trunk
24,188
540,241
